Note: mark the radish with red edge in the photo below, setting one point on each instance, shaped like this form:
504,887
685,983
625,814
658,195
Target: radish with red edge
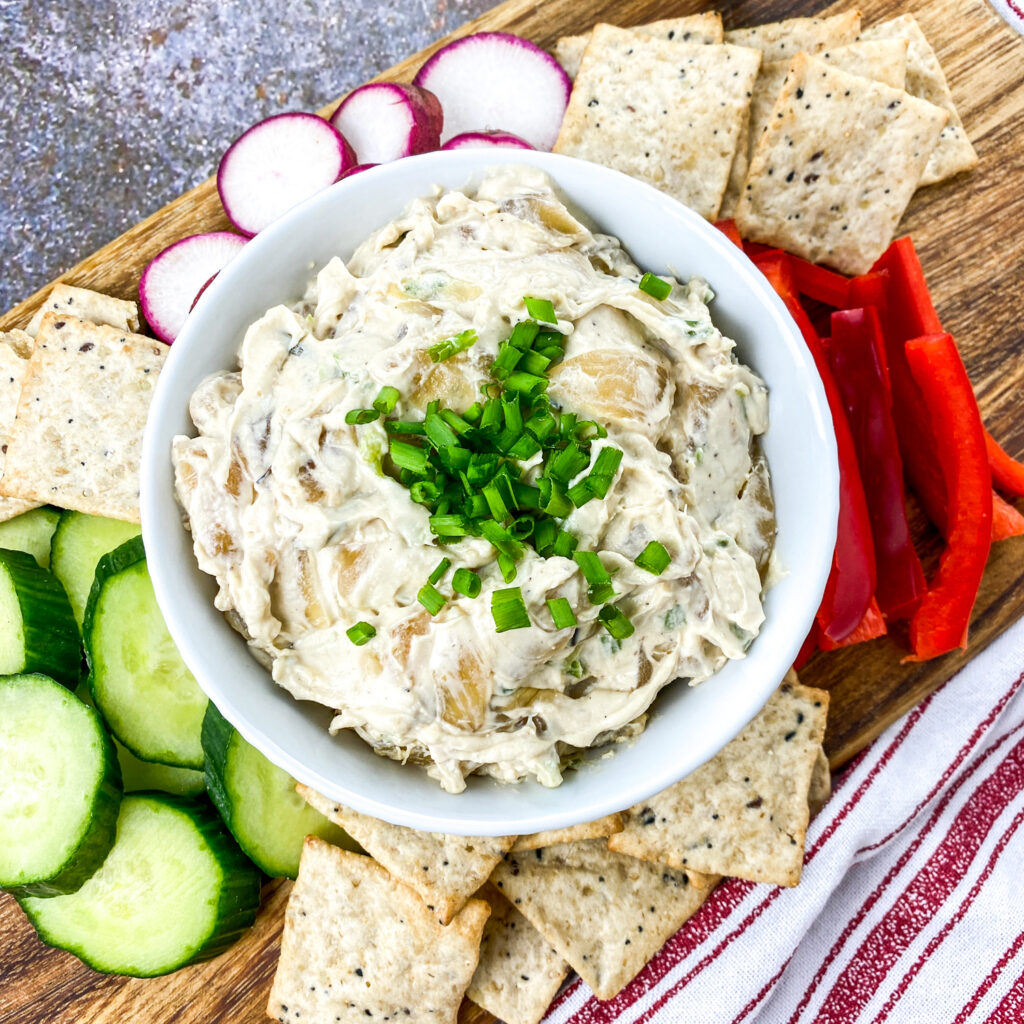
487,140
276,164
358,169
384,121
172,279
494,80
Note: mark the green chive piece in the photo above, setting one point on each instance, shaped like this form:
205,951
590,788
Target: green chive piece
579,494
424,492
655,287
522,528
506,361
654,558
534,362
455,421
404,426
482,467
386,400
603,471
476,507
449,525
565,544
527,383
544,535
526,495
507,568
541,309
466,583
473,413
562,614
615,622
361,633
541,425
548,339
501,539
360,416
588,430
525,448
600,593
508,609
431,598
496,503
570,461
513,413
558,503
442,567
447,348
523,335
592,567
439,433
409,456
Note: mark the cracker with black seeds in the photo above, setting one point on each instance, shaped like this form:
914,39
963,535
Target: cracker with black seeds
76,441
596,829
745,812
832,175
85,304
667,113
359,946
519,972
820,791
444,869
693,28
15,349
781,40
606,913
953,152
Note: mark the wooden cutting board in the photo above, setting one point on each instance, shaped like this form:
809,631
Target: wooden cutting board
969,233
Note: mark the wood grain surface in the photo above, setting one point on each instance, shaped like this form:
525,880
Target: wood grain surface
970,234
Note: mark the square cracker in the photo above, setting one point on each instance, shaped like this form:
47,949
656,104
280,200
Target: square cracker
693,28
88,305
597,829
77,437
953,152
444,869
780,40
820,791
744,813
519,973
15,348
832,175
685,101
604,912
359,946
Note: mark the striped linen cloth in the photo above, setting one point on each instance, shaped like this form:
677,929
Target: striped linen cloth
911,907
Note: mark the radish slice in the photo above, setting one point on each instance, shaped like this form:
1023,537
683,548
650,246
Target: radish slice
387,120
173,278
487,140
494,80
278,163
356,170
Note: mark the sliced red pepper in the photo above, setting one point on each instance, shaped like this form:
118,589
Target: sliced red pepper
870,289
940,623
755,249
1006,520
858,361
870,627
729,229
851,583
808,649
819,283
1007,472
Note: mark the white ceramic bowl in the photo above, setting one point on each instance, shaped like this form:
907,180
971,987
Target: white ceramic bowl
688,725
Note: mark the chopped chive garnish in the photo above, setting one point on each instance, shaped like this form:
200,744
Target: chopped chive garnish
615,622
655,287
591,566
447,348
565,544
579,494
527,383
404,427
524,449
360,633
360,416
534,362
423,492
431,598
439,433
492,416
601,474
386,400
496,503
570,461
507,568
522,528
541,425
507,360
473,413
439,571
654,558
562,614
587,430
557,503
409,456
501,539
523,335
544,535
508,609
548,339
541,309
466,583
449,525
599,593
455,421
526,495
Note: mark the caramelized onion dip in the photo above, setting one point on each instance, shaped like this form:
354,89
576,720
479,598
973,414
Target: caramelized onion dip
309,528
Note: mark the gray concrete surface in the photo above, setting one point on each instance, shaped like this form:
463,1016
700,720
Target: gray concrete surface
114,107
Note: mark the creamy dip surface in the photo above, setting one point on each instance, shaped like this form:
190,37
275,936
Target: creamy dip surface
301,519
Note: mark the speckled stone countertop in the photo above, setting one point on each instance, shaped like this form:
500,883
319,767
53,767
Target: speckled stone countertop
115,107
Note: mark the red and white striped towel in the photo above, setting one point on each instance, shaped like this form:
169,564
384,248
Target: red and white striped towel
911,908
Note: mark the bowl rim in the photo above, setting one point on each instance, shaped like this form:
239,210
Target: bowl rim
384,804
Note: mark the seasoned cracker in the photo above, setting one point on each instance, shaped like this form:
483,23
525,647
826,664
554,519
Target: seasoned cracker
604,912
820,790
685,101
444,869
744,813
77,437
15,348
85,304
20,341
953,152
600,827
781,40
832,175
359,946
693,28
519,973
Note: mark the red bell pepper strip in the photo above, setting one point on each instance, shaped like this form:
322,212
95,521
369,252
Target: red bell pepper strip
808,649
1007,472
870,627
858,362
819,283
870,289
729,229
1006,520
851,583
940,623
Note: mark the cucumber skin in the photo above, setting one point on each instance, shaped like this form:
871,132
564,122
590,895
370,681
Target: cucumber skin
92,851
239,901
51,648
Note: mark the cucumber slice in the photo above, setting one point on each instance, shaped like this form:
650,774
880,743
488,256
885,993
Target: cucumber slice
141,775
31,532
79,542
61,788
258,802
174,889
139,683
37,629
